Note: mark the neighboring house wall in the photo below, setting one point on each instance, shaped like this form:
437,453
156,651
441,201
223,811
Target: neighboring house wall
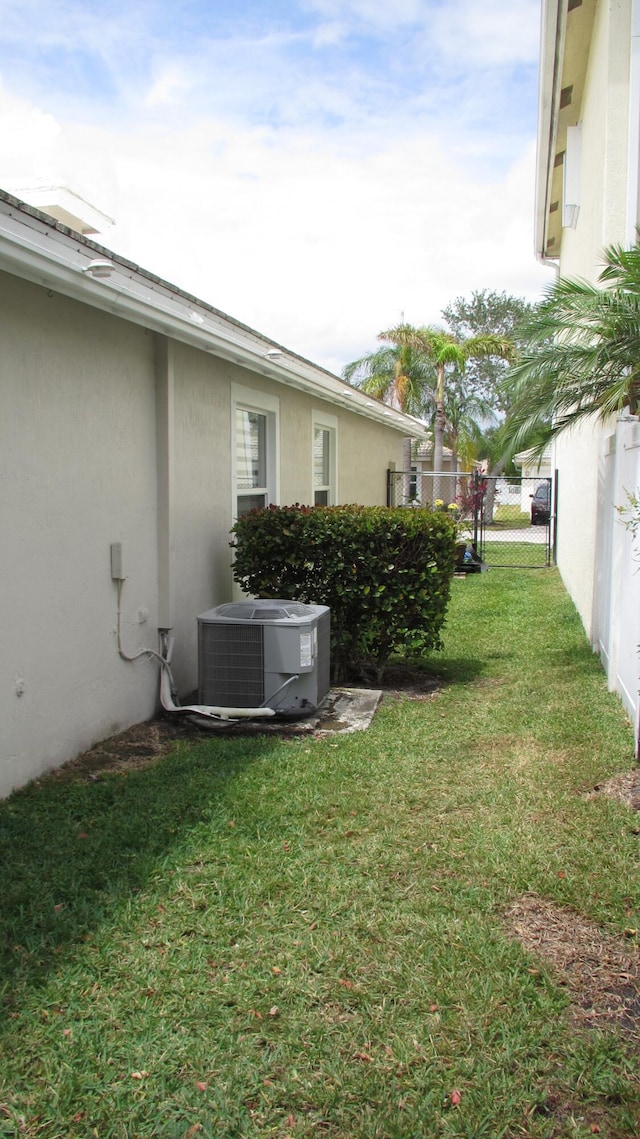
111,432
587,74
602,117
575,458
531,468
425,486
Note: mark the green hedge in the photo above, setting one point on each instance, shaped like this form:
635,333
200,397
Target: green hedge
384,572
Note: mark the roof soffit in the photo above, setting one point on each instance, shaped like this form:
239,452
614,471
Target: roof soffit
562,92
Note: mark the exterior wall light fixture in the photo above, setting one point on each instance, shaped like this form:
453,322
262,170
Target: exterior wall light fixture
100,268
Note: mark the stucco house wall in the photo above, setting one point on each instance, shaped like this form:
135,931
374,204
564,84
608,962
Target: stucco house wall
590,85
202,499
603,119
77,447
115,429
575,458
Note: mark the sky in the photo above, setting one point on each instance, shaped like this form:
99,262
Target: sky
318,169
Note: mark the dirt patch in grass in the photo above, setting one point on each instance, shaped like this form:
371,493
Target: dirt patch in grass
624,787
601,972
403,680
138,747
144,744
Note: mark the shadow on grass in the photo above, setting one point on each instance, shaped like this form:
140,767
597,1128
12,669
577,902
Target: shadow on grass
581,659
460,670
432,672
72,852
75,850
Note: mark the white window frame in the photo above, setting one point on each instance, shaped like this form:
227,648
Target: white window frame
324,421
250,399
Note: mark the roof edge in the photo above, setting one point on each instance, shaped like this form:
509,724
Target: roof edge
138,295
552,32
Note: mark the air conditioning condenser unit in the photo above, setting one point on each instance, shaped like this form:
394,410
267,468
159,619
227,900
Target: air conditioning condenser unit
265,653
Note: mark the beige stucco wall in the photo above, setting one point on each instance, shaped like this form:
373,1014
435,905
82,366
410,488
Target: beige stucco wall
109,433
202,500
601,221
77,454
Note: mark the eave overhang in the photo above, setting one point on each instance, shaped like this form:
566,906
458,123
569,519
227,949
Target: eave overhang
564,55
36,248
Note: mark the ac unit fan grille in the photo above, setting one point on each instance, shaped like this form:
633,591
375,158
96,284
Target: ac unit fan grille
231,665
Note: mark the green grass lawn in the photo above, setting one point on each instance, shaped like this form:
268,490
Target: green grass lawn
511,516
305,937
527,555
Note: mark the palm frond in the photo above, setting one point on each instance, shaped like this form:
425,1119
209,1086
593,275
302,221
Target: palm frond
582,357
397,373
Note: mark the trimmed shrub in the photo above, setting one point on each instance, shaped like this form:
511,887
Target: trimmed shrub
384,572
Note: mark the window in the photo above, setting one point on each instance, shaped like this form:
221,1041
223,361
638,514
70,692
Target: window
251,459
254,446
413,485
321,480
325,429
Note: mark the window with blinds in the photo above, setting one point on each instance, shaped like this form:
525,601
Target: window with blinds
324,458
321,468
251,460
255,452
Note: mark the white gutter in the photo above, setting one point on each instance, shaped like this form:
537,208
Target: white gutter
552,32
633,146
38,250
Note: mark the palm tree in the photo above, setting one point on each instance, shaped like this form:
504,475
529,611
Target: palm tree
467,418
446,352
399,373
582,357
410,372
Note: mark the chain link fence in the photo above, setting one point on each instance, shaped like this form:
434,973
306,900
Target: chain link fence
502,521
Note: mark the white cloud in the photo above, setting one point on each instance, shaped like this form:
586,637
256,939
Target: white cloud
30,138
461,32
292,185
320,249
375,13
169,87
489,34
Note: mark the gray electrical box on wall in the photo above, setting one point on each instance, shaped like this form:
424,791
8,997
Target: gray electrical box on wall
116,561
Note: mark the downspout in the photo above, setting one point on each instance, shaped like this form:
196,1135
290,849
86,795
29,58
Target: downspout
164,474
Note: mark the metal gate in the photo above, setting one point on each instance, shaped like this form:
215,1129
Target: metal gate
504,521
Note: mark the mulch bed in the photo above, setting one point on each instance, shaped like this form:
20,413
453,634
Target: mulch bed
403,680
601,971
624,787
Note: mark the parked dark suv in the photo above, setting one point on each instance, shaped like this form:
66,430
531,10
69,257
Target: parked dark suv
541,505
